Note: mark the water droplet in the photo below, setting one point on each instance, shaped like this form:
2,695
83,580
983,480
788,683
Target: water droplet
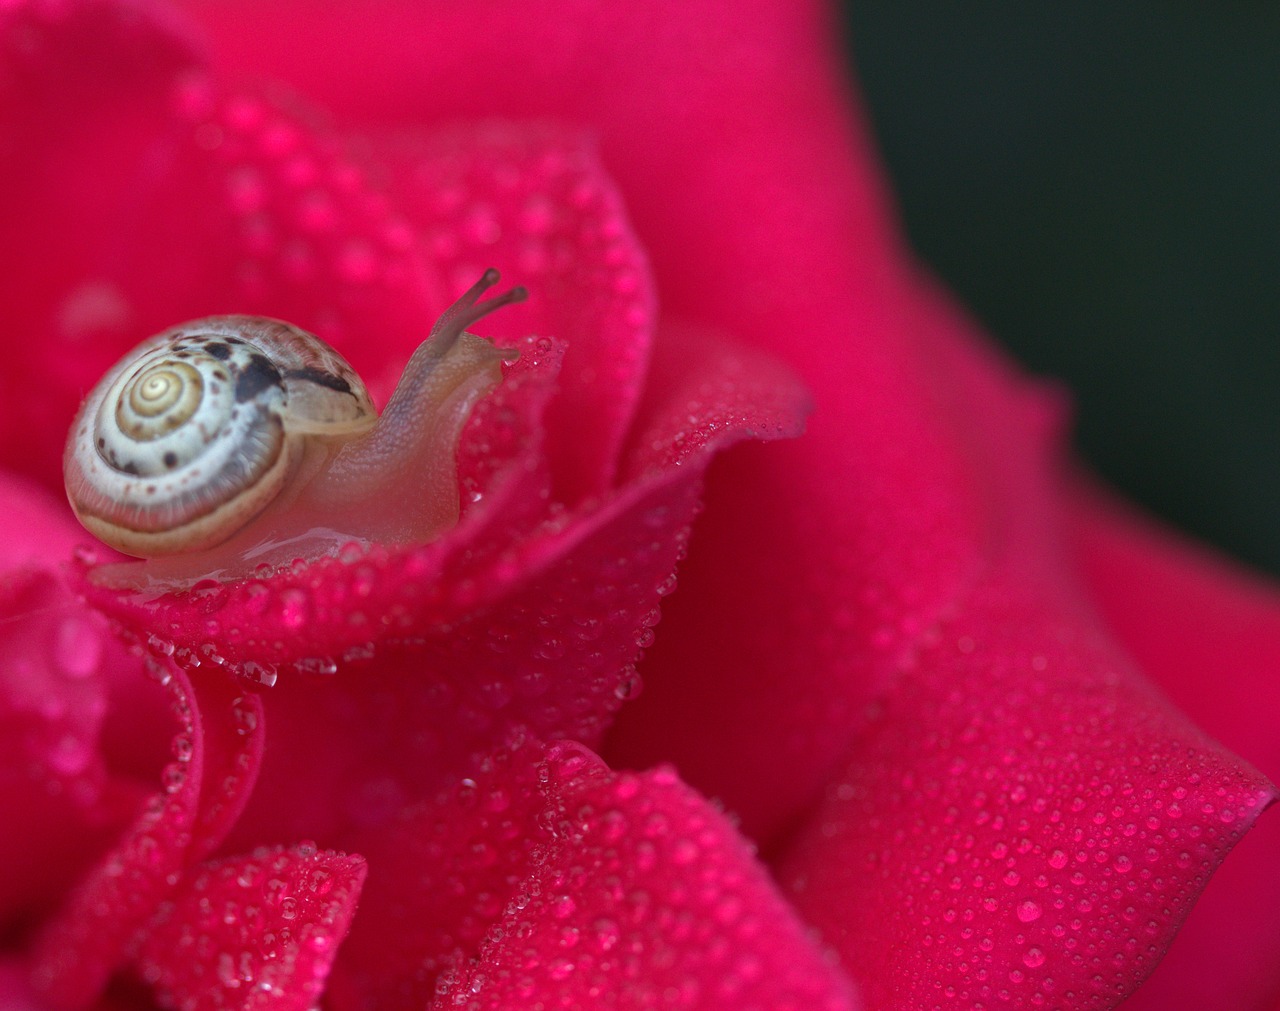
77,648
1029,911
159,672
354,654
1033,958
628,688
560,968
182,748
264,674
208,596
245,715
295,608
352,552
85,554
70,755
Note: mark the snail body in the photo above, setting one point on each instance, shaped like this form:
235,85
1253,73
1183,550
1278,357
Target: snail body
224,443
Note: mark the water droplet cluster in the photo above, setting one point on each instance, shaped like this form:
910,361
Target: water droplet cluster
556,659
213,756
1025,827
81,947
252,931
645,893
56,653
440,875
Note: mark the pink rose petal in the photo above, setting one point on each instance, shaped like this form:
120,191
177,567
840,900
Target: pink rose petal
644,897
705,392
440,876
253,932
1212,634
214,762
58,666
52,702
1028,821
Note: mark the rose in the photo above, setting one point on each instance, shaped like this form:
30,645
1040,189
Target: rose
915,551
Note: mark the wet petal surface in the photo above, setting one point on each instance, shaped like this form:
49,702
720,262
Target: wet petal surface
646,894
58,665
214,761
1029,820
252,932
1211,632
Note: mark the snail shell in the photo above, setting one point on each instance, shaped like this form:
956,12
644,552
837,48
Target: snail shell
189,438
227,433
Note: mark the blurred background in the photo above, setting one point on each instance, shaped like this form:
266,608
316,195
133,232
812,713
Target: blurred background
1099,183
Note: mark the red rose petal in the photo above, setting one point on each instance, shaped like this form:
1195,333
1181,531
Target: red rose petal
82,97
440,876
555,656
251,932
15,989
535,202
644,897
52,701
57,666
1212,633
214,762
705,392
1027,821
48,532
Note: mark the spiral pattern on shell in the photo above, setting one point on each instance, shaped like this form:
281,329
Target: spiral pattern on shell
160,398
195,432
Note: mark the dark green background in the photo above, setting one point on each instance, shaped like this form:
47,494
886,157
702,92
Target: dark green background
1099,184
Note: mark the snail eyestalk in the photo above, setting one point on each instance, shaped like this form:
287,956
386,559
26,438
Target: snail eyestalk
468,310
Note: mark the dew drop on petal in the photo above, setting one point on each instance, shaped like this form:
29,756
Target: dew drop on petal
245,716
70,755
264,674
77,647
1029,911
295,608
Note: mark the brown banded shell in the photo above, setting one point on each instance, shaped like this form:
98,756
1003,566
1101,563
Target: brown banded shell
197,430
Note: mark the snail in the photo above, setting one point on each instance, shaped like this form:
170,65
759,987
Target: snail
231,442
